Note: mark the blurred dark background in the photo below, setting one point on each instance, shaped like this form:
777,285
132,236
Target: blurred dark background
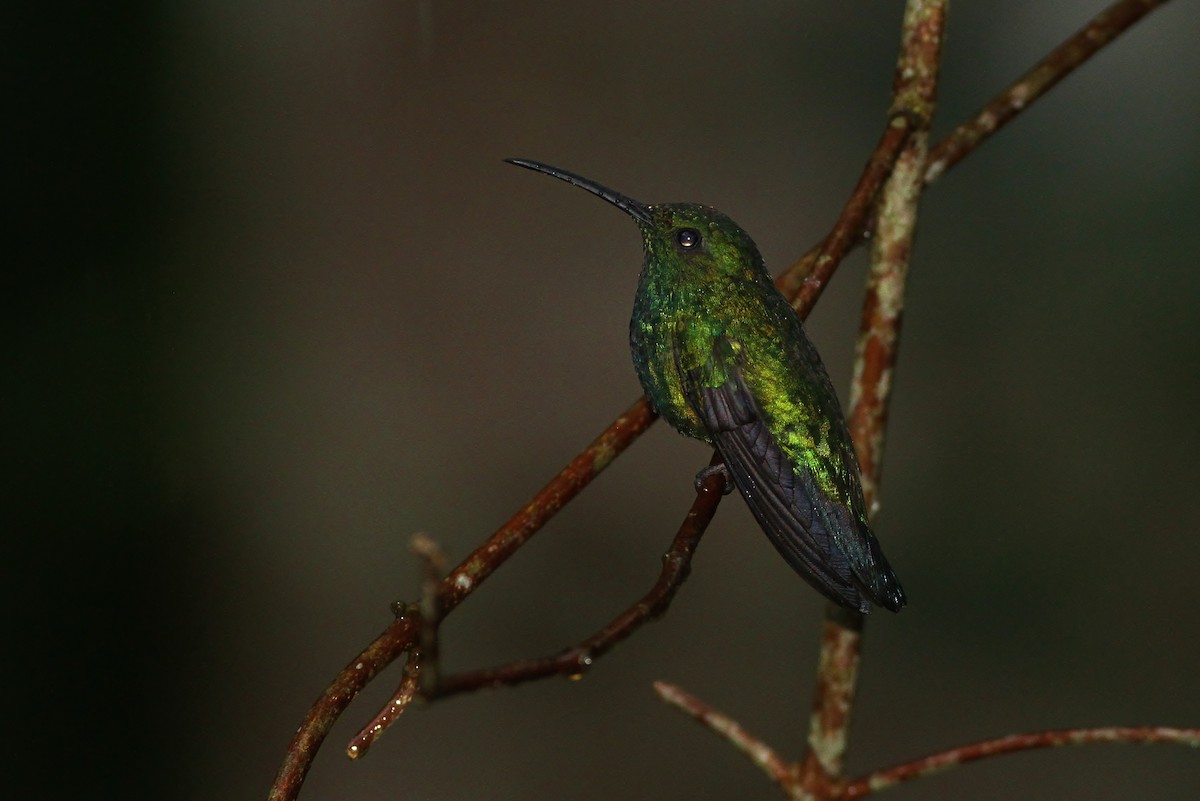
274,303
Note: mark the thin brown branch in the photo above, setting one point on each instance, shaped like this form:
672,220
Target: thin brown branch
763,757
301,751
895,224
574,661
1064,59
402,633
804,281
911,110
1057,64
570,481
433,561
883,308
914,95
394,708
934,763
421,667
833,697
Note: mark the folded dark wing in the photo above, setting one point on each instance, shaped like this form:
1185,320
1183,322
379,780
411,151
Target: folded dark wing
819,537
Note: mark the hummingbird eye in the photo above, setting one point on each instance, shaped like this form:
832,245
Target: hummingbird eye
687,238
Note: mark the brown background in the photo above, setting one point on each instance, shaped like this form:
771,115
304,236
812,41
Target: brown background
278,304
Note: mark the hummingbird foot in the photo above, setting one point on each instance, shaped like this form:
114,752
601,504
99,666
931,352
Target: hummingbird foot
710,470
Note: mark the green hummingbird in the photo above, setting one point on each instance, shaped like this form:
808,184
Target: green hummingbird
723,358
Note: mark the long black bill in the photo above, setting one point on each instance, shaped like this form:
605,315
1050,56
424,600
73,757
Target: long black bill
637,211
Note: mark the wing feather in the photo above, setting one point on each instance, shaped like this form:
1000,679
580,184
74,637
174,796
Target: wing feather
820,538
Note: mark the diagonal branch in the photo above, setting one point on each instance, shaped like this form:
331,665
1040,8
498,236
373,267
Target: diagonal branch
402,633
803,282
764,758
1039,79
574,661
394,641
570,481
1060,62
935,763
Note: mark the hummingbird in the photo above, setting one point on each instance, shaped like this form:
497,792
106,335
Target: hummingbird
724,359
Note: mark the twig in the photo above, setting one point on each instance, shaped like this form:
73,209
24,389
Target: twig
421,667
395,707
895,224
402,633
574,661
914,96
301,751
433,561
998,112
776,768
833,697
804,281
1058,64
570,481
883,779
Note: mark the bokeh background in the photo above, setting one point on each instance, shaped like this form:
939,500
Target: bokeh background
274,303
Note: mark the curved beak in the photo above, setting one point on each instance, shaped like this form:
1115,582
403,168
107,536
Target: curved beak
634,209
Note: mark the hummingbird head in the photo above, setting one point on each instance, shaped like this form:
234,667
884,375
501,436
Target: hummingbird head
699,241
689,239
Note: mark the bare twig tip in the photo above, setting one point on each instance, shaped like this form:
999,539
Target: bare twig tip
427,548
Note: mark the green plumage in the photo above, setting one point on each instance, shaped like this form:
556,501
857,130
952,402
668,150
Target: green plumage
698,303
723,358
